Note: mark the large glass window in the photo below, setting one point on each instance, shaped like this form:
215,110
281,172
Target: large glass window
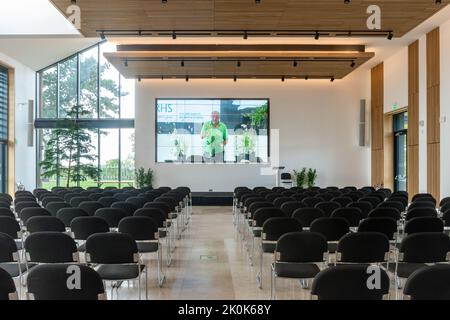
88,80
400,151
4,91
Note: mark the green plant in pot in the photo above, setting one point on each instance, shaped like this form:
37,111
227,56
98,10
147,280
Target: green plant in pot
144,178
300,177
311,177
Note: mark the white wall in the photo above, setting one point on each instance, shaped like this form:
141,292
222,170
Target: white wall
445,108
318,122
25,157
396,81
423,176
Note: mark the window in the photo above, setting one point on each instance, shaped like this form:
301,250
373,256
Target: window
400,151
4,92
88,80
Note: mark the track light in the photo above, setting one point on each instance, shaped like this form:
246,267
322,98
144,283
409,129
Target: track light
102,36
245,35
438,1
182,63
390,35
332,79
282,79
317,36
174,35
257,1
353,64
187,78
238,64
73,1
306,78
139,78
125,63
164,1
346,1
162,77
295,64
234,78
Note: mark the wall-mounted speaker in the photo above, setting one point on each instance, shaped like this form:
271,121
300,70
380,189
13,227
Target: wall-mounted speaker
30,125
362,123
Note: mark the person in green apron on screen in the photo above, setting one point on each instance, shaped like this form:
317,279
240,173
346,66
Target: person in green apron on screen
215,137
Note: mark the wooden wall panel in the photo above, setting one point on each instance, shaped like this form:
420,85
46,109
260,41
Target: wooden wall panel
388,151
413,118
433,113
11,133
377,125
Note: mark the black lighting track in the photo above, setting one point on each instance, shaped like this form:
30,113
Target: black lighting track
231,77
257,47
235,59
244,33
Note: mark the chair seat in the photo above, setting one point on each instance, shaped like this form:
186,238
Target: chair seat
406,269
296,270
118,272
144,247
14,269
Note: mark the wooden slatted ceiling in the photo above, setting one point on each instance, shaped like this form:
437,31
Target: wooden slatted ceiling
221,64
398,15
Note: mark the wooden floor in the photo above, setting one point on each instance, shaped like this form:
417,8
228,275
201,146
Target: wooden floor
210,262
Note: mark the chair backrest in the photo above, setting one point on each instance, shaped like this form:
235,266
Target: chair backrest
75,201
139,228
301,247
90,207
10,226
258,205
311,202
128,207
24,199
7,286
43,224
5,204
328,207
385,213
289,207
306,216
393,204
137,201
424,224
53,207
171,202
429,283
250,200
421,212
425,247
8,249
363,247
83,227
263,214
111,215
373,200
352,215
332,229
47,200
387,226
68,196
271,197
111,248
50,247
5,212
446,218
422,196
107,201
355,195
49,282
95,196
158,215
274,228
343,201
122,196
27,213
349,282
403,200
6,197
422,204
278,202
444,202
365,207
66,215
23,205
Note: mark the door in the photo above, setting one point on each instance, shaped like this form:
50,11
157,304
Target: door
401,152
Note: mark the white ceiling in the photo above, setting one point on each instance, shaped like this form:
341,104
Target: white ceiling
39,51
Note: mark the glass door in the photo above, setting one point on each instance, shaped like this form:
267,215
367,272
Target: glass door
401,151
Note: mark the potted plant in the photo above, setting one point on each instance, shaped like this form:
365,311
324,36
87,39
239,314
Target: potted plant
300,177
248,144
144,178
311,177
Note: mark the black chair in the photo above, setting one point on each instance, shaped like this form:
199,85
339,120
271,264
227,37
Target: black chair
420,212
47,200
11,227
128,207
158,216
254,206
311,202
333,229
365,207
272,230
10,259
423,196
328,207
111,215
343,201
44,224
50,282
68,196
352,215
27,213
349,282
145,232
139,202
53,207
248,201
66,215
363,248
96,196
23,205
50,247
445,207
306,216
298,255
4,204
4,212
278,202
386,226
7,197
122,196
327,196
117,257
419,249
429,283
422,205
355,195
446,218
24,199
373,200
444,201
7,286
289,207
271,197
424,224
385,213
83,227
403,200
90,207
75,201
107,201
393,204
